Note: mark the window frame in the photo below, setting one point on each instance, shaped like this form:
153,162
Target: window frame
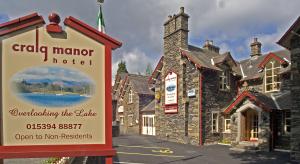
130,123
121,120
217,122
225,127
285,122
273,77
224,80
130,96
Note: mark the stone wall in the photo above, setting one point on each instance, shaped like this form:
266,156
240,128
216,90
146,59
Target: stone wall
131,126
282,140
295,92
191,81
215,100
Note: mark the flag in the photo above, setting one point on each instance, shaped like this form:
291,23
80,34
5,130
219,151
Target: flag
100,21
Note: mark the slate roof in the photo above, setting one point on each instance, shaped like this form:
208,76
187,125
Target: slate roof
273,101
262,100
200,56
140,84
285,39
283,100
250,67
265,98
150,107
207,59
156,71
117,84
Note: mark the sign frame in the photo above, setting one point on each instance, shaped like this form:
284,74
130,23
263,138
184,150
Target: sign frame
70,150
171,108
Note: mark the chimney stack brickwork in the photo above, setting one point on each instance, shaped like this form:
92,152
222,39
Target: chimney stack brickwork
176,127
209,45
255,48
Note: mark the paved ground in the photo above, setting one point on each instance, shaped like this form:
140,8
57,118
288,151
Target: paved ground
149,150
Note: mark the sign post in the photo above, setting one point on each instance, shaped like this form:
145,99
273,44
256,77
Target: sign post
56,89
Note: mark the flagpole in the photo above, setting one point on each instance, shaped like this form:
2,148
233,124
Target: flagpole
108,159
100,19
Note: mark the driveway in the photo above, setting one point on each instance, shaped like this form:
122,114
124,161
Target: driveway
149,150
133,149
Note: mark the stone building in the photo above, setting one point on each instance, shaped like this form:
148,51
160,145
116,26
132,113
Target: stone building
133,95
291,41
203,96
118,108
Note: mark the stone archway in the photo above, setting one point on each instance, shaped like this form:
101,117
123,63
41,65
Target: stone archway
249,125
249,121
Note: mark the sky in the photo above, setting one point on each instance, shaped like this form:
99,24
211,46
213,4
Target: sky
138,24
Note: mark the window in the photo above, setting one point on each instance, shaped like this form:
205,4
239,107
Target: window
130,120
130,96
287,122
215,122
224,81
227,125
121,120
272,79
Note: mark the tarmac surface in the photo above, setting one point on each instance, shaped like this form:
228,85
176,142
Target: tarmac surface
150,150
134,149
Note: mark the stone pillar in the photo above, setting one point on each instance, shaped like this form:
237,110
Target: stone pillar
295,92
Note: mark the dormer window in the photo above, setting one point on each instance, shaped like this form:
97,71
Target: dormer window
224,81
272,79
130,96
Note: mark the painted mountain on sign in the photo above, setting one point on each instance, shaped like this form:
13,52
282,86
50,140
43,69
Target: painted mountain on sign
52,86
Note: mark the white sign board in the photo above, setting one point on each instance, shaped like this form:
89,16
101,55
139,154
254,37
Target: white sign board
171,89
191,93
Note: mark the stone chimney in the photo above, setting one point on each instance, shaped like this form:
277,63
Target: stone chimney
209,45
255,48
176,31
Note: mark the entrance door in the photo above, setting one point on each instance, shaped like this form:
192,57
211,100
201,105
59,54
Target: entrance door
250,121
148,125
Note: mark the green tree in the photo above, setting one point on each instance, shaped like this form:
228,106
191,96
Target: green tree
149,70
122,67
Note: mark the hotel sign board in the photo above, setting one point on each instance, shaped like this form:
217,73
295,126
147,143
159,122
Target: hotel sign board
171,89
56,91
171,99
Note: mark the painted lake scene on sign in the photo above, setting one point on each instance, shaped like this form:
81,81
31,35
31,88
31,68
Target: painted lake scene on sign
52,86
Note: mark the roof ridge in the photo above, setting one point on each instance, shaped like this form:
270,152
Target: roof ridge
276,51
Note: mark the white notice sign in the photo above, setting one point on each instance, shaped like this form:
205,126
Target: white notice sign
171,89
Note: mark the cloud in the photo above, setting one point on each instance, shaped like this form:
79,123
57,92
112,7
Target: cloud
136,61
139,23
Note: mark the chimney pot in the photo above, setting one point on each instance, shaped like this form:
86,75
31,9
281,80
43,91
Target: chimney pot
181,9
